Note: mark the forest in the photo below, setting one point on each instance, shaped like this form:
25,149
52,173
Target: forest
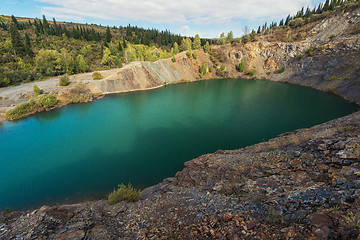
34,49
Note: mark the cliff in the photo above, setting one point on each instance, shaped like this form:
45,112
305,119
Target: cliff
304,184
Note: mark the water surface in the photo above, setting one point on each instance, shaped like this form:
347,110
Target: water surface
83,151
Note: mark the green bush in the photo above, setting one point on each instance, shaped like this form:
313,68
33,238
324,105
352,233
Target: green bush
203,70
46,100
97,76
195,55
188,53
332,78
36,90
282,69
221,71
241,66
311,51
64,80
21,110
173,59
124,193
251,72
300,56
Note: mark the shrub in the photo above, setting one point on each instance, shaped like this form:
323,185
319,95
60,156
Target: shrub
332,36
97,76
332,89
251,72
221,71
188,53
311,51
36,90
64,80
7,211
173,59
124,193
46,100
20,110
203,69
300,56
282,69
195,55
241,66
332,78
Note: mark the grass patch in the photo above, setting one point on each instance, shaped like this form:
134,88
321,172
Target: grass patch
352,220
124,193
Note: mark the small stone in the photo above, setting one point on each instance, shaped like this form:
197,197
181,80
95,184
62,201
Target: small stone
227,216
339,145
250,225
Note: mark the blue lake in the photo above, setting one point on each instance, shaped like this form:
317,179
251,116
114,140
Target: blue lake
82,152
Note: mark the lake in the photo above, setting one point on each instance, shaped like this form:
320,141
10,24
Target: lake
83,151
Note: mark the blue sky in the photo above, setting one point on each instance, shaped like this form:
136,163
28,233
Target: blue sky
208,18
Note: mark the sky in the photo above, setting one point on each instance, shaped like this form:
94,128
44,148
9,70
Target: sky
208,18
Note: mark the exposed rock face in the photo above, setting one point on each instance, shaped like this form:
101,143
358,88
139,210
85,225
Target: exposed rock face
146,75
300,184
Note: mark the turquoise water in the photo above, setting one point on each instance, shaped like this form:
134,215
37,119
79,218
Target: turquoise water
84,151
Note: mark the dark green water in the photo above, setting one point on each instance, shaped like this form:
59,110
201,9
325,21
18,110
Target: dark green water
84,151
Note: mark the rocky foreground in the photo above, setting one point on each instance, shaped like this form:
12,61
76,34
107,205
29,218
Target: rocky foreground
300,185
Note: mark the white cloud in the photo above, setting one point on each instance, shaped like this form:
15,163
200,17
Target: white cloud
184,28
202,12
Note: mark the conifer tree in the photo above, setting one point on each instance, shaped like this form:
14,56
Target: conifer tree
16,40
197,42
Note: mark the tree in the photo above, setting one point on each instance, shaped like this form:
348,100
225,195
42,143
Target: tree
81,64
185,44
241,66
36,90
206,47
108,35
16,40
230,36
48,62
176,48
222,38
66,61
108,58
203,70
197,42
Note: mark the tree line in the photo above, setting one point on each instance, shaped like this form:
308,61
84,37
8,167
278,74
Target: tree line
33,49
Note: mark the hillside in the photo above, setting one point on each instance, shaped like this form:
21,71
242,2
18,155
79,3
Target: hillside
34,49
300,185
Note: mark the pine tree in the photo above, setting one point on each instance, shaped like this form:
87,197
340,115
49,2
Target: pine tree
16,40
197,42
